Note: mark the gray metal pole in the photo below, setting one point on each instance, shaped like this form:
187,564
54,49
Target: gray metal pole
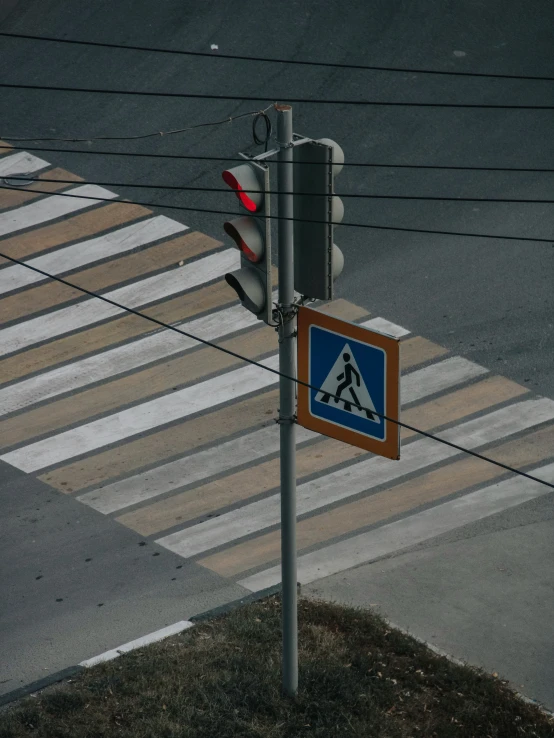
287,401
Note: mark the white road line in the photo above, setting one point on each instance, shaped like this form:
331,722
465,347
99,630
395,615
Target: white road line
134,295
255,445
144,417
438,377
423,526
359,477
86,252
385,326
146,640
21,163
193,468
109,364
51,207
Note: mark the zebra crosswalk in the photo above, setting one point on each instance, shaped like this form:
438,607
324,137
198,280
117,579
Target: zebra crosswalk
178,442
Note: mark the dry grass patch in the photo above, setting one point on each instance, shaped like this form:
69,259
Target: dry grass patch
358,677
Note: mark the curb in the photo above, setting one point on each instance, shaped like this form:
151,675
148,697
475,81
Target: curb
458,662
59,676
47,681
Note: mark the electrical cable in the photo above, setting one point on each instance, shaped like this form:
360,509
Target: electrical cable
303,220
268,161
237,57
268,129
363,196
229,119
276,372
259,98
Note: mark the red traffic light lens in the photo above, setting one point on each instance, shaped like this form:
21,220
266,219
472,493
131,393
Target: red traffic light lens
232,181
245,181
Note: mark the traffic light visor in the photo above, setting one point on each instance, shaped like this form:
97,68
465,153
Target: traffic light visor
249,287
244,181
247,237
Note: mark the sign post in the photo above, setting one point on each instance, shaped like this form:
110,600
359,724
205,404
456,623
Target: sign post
287,400
355,376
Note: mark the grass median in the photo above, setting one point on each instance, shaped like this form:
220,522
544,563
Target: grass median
358,677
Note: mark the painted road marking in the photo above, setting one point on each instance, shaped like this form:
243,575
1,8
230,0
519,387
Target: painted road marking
380,506
86,252
385,326
167,443
164,444
52,207
359,477
138,386
132,421
112,362
438,377
189,469
15,198
100,337
21,163
146,640
317,457
74,228
239,487
423,526
92,311
141,418
132,389
127,268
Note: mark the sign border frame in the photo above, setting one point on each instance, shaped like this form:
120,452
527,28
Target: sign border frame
390,446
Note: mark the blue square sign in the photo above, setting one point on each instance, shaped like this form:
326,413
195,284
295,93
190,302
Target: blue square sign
349,382
352,376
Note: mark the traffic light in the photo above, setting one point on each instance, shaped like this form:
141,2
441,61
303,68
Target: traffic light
252,237
317,260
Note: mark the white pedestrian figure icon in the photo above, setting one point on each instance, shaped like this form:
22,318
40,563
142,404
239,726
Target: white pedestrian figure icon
345,388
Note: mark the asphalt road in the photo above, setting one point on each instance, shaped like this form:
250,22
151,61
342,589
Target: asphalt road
490,300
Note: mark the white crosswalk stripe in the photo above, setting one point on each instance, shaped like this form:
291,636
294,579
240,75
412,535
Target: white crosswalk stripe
414,529
360,477
190,469
21,163
52,207
111,363
385,326
414,385
139,293
86,252
141,418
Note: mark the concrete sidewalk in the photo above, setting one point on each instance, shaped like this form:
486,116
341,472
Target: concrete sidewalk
484,594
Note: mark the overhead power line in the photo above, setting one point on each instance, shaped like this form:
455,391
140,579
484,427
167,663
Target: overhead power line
276,372
278,217
269,60
153,134
361,196
190,157
259,98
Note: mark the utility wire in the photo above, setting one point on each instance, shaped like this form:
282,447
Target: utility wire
333,65
362,196
276,372
258,98
279,217
268,161
229,119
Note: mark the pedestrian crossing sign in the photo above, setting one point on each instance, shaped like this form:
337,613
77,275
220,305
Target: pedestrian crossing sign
353,375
